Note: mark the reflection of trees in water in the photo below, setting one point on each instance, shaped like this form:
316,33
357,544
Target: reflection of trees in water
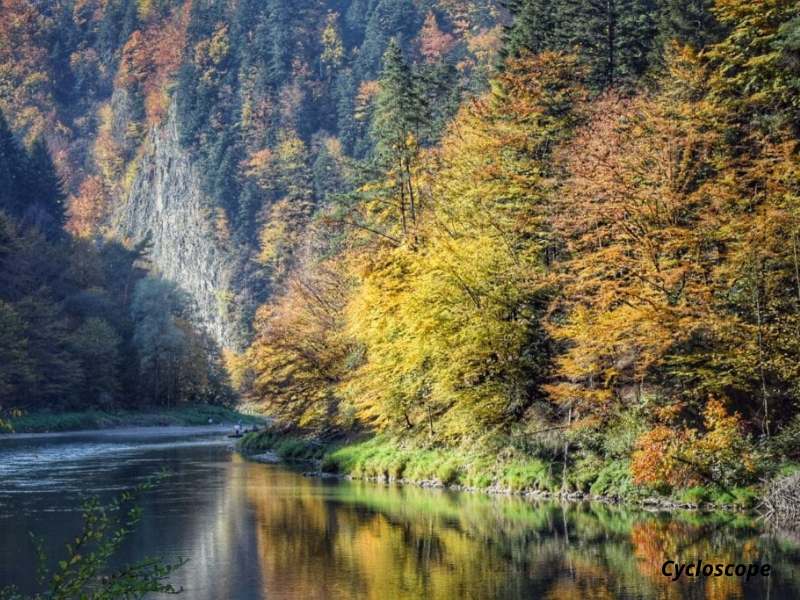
361,540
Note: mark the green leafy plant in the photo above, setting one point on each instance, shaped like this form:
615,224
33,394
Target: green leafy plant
85,573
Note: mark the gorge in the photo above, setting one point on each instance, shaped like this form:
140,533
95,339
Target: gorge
529,246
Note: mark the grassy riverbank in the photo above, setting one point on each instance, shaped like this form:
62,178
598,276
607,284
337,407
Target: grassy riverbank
384,459
199,414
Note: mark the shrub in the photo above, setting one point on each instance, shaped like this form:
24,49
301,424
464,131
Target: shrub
614,480
695,495
687,457
585,472
448,473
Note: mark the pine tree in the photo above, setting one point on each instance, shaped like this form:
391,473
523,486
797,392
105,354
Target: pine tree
45,193
614,37
536,27
690,22
11,167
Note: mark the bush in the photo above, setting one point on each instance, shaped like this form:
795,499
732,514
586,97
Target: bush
695,495
584,472
683,456
614,480
746,498
619,440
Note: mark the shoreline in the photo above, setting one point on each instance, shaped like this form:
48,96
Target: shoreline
651,503
194,415
327,464
127,431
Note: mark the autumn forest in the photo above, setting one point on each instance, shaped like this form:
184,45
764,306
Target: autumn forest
558,238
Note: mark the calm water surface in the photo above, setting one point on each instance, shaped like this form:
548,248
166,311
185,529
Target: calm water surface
254,531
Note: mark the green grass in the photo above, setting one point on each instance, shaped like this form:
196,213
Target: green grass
530,475
383,458
51,421
695,495
286,447
388,459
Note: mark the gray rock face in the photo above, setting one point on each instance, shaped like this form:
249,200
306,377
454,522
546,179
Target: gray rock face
166,203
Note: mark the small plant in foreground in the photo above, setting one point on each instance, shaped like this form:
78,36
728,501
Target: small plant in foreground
84,572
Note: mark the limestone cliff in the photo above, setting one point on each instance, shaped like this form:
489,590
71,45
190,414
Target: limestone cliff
166,204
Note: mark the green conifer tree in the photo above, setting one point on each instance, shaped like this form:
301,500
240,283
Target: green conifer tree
46,200
399,106
11,169
536,27
614,37
690,22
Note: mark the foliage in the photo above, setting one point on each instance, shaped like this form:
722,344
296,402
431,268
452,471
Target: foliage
589,254
722,455
74,331
85,572
582,250
298,353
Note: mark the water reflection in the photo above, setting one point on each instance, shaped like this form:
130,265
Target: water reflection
253,531
367,541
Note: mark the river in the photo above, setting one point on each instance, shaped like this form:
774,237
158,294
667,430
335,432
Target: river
253,531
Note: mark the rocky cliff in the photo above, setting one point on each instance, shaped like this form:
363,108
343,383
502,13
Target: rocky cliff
166,204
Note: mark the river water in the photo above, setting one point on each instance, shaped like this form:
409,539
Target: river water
253,531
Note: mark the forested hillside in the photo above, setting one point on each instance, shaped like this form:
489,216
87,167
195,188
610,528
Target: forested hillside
564,231
81,323
258,105
193,141
594,266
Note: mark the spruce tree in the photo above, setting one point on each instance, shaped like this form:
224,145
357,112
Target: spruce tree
398,121
690,22
399,107
14,176
9,168
279,47
46,198
615,38
536,27
390,20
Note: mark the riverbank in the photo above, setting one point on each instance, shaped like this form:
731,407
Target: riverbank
192,415
385,460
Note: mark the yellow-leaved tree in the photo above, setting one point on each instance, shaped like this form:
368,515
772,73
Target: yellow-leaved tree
450,324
